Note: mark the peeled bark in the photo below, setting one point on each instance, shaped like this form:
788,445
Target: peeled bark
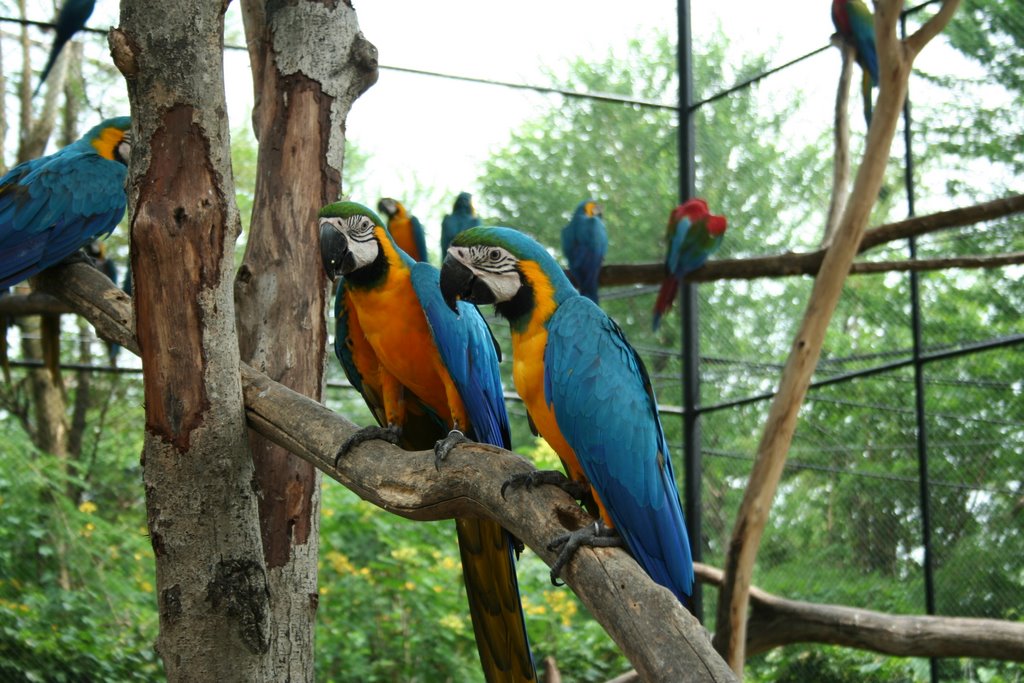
201,507
304,89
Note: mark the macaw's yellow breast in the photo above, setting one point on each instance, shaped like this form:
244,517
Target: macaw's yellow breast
396,327
401,231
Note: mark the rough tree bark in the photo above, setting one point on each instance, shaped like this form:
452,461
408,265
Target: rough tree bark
309,63
895,59
201,507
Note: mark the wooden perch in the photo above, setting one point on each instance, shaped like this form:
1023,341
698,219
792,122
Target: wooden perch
809,263
661,638
776,621
896,58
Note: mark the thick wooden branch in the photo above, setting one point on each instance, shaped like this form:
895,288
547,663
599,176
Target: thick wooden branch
662,640
775,621
809,263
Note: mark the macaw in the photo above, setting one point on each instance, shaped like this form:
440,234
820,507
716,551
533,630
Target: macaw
53,206
584,243
692,235
462,217
588,394
855,23
423,370
70,20
405,229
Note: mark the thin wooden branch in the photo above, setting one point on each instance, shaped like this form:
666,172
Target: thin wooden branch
920,265
809,263
661,638
841,137
752,517
776,621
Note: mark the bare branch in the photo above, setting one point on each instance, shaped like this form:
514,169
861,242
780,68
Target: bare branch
931,28
776,621
660,637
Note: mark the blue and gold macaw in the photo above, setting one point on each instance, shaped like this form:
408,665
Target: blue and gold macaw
856,25
406,230
692,235
70,20
53,206
424,370
584,243
462,217
586,391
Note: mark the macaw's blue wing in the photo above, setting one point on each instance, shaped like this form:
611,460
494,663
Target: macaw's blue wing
585,243
606,410
419,237
470,355
51,208
452,225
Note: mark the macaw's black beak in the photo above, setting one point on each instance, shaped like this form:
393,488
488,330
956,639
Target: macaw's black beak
458,282
334,252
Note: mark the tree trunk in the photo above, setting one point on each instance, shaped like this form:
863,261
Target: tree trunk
281,291
201,506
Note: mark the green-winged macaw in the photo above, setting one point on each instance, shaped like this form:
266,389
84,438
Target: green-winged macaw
70,20
692,235
584,243
423,370
856,25
405,229
586,391
53,206
462,217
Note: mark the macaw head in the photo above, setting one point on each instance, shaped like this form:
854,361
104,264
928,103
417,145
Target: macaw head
112,138
504,267
350,235
694,210
464,204
588,208
390,207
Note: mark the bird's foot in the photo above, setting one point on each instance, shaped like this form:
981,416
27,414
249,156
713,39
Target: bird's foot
596,535
391,434
579,490
443,447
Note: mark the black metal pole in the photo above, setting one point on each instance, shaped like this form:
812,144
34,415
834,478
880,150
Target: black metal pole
919,388
688,309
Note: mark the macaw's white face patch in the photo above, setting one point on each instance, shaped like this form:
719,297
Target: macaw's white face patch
495,266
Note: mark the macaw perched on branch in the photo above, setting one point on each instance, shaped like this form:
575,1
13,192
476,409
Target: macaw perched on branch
856,25
584,243
462,217
423,370
53,206
588,394
70,20
405,229
692,235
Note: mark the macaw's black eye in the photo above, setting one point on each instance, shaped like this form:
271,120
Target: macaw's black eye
495,255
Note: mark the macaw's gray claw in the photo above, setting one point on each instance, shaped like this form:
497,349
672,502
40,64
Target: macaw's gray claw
579,490
443,447
391,434
596,535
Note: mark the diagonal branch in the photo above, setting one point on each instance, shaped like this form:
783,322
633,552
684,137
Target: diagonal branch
662,640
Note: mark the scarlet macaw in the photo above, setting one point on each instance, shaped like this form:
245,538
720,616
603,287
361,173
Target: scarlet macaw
462,217
423,370
405,229
855,23
584,243
70,20
53,206
692,235
586,391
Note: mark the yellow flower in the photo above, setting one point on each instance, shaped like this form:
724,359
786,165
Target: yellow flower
409,586
323,590
438,589
562,604
87,507
328,512
88,529
449,563
23,607
404,554
146,586
453,622
340,563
